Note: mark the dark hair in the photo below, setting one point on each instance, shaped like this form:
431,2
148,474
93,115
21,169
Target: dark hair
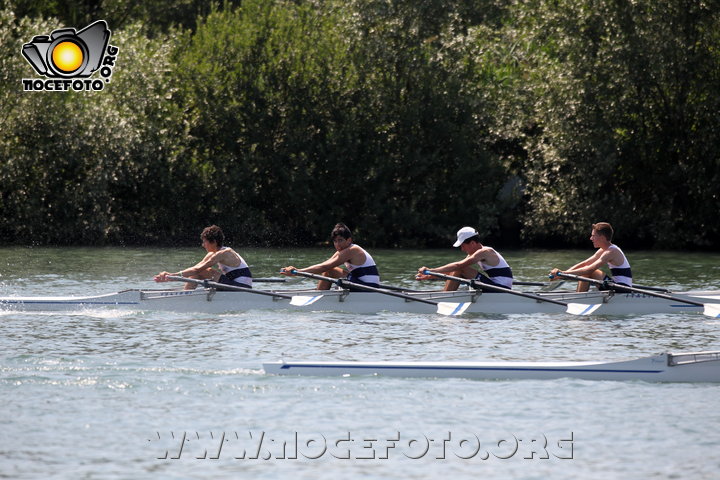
604,229
340,230
213,233
474,238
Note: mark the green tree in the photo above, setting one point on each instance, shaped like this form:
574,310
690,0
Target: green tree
627,104
266,87
430,166
89,167
156,16
404,118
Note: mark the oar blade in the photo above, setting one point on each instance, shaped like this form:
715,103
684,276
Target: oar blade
712,310
582,308
304,300
451,309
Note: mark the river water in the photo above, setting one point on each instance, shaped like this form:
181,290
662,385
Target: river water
134,395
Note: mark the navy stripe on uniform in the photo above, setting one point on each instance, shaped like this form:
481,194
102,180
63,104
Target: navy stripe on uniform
621,272
499,272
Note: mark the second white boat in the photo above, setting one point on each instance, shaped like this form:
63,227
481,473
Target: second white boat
665,367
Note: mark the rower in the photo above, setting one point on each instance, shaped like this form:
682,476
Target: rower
482,263
607,254
232,268
360,266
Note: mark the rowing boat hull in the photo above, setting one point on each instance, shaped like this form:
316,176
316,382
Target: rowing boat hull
666,367
210,301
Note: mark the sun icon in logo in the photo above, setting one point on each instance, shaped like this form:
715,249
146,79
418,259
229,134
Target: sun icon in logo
67,56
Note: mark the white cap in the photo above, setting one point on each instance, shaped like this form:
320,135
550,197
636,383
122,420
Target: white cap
463,234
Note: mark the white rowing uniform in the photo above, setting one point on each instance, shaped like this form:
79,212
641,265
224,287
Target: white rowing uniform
366,274
499,275
238,276
620,273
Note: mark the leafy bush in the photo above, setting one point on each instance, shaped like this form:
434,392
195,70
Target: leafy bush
404,118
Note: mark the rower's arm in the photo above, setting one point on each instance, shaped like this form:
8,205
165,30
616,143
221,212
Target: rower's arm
454,266
586,266
593,259
336,260
210,259
590,265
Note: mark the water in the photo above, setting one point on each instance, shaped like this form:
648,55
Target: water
113,395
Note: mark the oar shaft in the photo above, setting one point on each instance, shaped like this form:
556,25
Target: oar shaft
208,283
359,286
653,289
530,284
616,286
578,278
494,288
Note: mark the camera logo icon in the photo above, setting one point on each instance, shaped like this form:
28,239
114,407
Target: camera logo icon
67,53
66,58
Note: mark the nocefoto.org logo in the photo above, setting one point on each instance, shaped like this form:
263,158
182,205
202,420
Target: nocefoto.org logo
68,57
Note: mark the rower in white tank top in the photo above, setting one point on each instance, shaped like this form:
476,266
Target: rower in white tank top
366,274
620,273
499,275
239,275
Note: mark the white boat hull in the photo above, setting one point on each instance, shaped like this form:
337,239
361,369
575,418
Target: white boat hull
211,301
666,367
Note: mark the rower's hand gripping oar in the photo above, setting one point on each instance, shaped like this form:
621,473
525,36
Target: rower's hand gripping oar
443,308
709,309
297,300
573,308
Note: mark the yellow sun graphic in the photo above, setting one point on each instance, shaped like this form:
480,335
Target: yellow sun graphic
67,56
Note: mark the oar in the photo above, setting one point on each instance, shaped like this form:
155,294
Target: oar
297,300
288,281
709,309
443,308
654,289
531,284
573,308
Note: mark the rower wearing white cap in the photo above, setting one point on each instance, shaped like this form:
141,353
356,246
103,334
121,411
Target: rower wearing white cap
482,263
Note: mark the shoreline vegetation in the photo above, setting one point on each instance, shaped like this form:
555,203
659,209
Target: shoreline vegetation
405,119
